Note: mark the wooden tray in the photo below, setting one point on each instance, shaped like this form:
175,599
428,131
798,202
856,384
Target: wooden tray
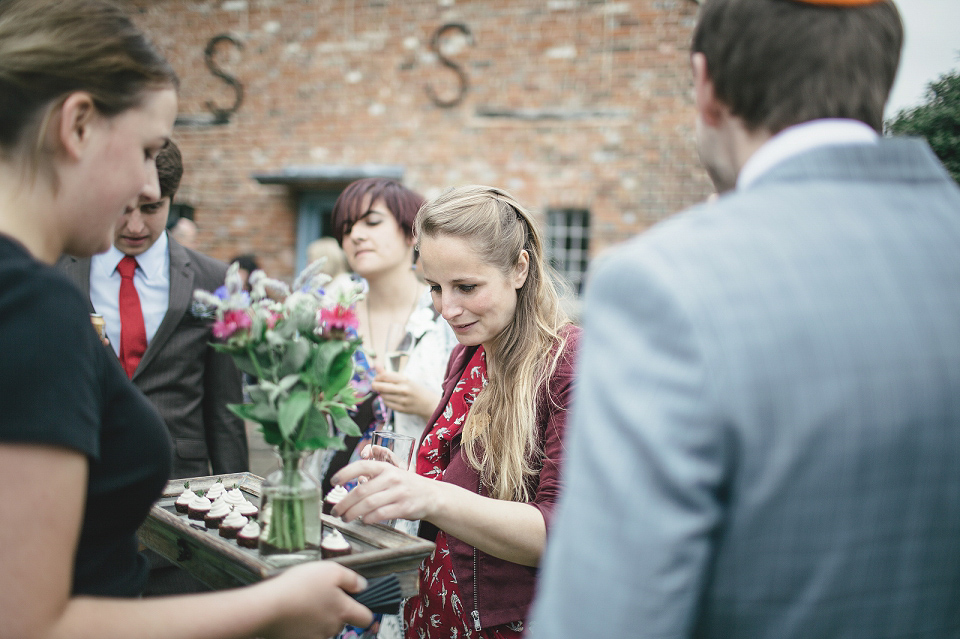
222,563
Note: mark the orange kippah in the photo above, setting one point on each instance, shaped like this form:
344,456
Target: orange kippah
840,3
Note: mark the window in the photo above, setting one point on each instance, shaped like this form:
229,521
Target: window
568,241
313,221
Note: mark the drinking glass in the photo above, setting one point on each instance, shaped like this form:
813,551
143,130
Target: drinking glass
400,448
399,345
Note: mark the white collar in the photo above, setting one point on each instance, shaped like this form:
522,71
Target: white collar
800,138
151,262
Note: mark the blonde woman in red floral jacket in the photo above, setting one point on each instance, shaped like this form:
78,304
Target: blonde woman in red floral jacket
488,467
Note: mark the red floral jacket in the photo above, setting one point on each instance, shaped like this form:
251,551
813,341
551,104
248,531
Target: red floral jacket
501,591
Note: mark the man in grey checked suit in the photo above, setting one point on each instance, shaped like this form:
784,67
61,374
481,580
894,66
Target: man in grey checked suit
766,436
188,382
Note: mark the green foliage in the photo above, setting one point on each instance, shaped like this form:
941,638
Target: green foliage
311,393
298,351
937,120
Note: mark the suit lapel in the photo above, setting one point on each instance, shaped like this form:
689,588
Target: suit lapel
181,290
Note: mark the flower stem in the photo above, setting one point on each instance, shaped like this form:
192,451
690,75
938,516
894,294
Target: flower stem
287,513
256,362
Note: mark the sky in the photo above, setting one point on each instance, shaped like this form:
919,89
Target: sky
931,49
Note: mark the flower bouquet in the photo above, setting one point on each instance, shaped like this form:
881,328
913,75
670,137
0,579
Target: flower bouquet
297,346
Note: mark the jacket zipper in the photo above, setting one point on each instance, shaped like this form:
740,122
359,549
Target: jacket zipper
476,597
476,577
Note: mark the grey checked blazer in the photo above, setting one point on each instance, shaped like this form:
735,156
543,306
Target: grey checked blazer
766,436
188,382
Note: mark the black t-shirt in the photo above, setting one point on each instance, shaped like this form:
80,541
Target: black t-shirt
60,386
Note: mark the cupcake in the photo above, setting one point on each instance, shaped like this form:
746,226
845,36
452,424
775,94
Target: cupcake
247,509
183,501
234,497
249,535
198,508
333,498
232,524
334,545
218,512
216,491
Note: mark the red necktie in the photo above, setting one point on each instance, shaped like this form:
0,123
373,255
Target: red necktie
133,335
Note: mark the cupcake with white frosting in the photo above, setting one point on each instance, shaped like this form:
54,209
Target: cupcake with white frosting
248,510
334,545
198,508
249,535
336,494
183,501
216,491
234,497
218,512
232,524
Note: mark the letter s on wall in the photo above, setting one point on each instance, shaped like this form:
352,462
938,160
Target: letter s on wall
223,115
461,74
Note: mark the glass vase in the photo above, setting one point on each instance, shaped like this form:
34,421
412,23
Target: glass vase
289,512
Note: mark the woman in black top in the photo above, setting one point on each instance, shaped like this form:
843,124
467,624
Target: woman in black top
85,105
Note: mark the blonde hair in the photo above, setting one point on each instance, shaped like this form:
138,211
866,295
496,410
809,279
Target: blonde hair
329,248
500,435
52,48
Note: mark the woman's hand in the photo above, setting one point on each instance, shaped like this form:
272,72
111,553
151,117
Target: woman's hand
388,493
506,529
402,394
314,601
380,453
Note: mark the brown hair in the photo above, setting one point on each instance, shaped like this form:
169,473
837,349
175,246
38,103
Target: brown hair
401,201
169,169
51,48
776,63
501,425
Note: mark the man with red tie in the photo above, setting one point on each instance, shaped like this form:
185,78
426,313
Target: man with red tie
143,287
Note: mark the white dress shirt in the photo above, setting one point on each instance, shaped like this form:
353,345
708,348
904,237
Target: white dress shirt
151,279
800,138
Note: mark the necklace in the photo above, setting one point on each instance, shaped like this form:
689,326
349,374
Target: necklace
372,352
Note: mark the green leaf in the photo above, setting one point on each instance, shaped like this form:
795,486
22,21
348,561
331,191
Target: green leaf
220,347
314,424
292,410
288,382
343,422
295,357
348,396
260,413
285,330
257,394
272,390
271,435
333,366
321,441
327,354
240,358
280,390
275,340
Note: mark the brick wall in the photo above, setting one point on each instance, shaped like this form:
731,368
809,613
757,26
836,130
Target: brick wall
571,103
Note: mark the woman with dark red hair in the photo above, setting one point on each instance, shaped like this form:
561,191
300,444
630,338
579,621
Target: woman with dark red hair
373,221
